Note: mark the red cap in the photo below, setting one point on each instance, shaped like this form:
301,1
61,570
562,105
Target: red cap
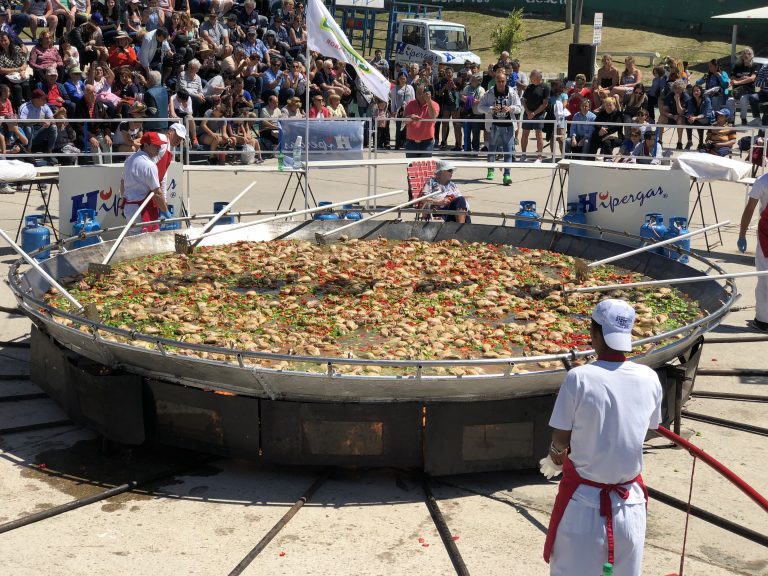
152,138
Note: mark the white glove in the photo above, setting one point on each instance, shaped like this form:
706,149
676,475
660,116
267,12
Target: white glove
548,468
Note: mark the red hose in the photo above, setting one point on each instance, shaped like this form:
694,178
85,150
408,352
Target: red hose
719,467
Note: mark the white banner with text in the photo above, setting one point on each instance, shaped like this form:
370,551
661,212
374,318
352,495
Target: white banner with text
619,198
98,188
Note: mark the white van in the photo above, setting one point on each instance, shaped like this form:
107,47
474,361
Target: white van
443,42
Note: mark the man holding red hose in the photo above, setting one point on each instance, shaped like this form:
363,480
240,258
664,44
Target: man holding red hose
601,416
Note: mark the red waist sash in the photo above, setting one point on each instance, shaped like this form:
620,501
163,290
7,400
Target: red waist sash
762,232
150,213
568,485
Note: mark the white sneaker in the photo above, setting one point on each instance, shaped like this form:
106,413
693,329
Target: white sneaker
538,160
6,189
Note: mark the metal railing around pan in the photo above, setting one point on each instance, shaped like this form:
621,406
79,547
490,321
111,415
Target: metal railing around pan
86,129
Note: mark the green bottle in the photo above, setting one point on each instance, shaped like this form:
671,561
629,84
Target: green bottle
280,161
607,569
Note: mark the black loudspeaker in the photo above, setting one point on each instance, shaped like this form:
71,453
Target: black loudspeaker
581,60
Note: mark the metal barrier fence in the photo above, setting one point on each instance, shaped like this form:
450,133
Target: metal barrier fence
97,149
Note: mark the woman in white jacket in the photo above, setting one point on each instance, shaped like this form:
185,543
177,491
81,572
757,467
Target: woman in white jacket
501,103
402,93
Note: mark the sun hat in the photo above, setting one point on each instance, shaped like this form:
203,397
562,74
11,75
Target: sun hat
152,138
122,35
75,70
51,71
616,319
181,132
443,165
37,93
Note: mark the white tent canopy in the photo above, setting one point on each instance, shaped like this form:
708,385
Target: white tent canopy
753,14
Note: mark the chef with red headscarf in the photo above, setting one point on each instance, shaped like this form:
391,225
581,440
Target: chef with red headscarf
759,193
600,419
140,179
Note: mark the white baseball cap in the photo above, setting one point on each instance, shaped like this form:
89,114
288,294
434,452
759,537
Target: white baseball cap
616,318
443,165
181,132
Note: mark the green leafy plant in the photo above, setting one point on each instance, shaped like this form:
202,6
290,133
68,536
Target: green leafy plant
510,34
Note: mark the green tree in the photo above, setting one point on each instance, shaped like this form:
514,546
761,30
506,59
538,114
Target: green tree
509,35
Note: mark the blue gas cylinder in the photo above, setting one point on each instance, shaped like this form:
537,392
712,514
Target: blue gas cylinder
527,208
352,212
678,225
325,215
86,222
577,215
171,225
35,236
226,219
654,229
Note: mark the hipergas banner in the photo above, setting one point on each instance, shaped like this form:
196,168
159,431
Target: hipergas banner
98,188
619,198
328,139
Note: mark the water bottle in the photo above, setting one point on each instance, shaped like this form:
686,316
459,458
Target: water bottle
654,229
297,153
280,160
678,226
607,569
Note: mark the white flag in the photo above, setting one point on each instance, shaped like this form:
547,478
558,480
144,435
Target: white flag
325,36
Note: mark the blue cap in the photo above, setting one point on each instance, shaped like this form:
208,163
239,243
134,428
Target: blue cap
723,112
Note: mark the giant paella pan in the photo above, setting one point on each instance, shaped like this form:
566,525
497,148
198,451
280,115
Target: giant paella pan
412,313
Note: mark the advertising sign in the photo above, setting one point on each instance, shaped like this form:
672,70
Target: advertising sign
377,4
328,139
98,188
597,29
619,198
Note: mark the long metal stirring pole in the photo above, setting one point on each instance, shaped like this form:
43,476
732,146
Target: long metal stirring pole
48,278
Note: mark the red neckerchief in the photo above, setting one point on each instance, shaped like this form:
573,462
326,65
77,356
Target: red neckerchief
568,486
613,357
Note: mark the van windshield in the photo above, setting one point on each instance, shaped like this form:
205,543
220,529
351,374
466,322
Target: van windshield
448,38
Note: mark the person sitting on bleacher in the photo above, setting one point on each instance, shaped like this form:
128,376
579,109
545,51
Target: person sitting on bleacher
581,130
721,138
43,133
649,150
449,197
607,133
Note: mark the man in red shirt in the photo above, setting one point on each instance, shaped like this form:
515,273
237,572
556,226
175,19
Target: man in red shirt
420,130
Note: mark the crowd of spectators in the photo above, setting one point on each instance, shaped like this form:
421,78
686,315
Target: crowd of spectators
110,69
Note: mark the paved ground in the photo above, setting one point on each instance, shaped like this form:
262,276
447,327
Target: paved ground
359,521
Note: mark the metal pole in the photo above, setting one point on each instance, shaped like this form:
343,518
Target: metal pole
224,210
568,14
689,279
306,126
36,265
734,34
126,229
657,244
387,211
577,20
299,213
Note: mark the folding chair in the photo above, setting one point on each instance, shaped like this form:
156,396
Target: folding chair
418,173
